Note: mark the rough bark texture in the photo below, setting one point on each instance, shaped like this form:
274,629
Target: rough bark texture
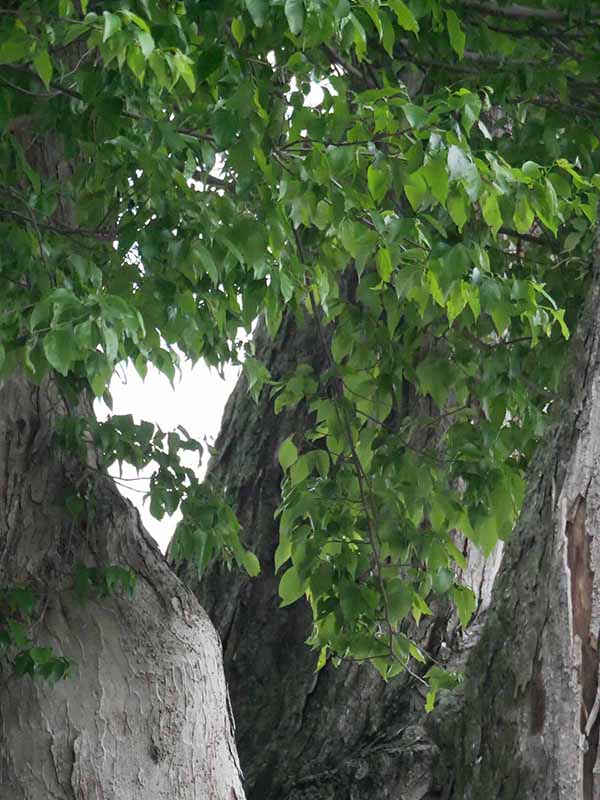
530,727
146,713
340,733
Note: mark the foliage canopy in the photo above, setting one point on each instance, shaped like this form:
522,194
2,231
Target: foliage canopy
419,178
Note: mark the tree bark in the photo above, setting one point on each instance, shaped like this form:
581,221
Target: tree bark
146,713
530,724
340,733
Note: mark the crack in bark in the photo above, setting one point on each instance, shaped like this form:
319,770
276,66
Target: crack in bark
581,586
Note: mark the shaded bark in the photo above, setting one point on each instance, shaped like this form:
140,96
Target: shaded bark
339,733
146,713
530,726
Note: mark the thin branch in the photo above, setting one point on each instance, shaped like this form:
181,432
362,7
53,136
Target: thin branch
518,11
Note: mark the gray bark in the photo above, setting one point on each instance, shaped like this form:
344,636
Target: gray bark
530,725
146,713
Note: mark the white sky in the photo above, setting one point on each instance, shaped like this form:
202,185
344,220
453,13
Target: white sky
197,403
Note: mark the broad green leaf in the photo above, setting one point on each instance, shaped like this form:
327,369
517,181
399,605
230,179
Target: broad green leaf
112,24
465,602
456,33
294,12
288,453
415,189
238,28
43,66
258,11
545,204
141,23
458,208
461,168
184,69
60,350
291,587
136,62
416,115
379,181
491,212
251,564
15,48
399,600
523,216
384,264
436,174
406,19
284,550
359,37
146,42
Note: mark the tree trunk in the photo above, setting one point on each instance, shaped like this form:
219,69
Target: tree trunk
530,726
340,733
524,725
145,714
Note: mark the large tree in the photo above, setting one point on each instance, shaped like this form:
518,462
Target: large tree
419,243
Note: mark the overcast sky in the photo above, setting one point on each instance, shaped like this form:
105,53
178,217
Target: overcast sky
197,403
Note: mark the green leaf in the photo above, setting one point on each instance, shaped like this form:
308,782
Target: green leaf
458,208
462,168
238,28
400,599
60,350
251,564
184,68
491,212
436,174
379,181
146,43
456,33
15,48
406,19
384,264
545,204
291,587
208,262
416,115
415,189
112,24
136,62
257,375
559,316
523,216
258,11
43,66
288,453
465,602
141,23
294,12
